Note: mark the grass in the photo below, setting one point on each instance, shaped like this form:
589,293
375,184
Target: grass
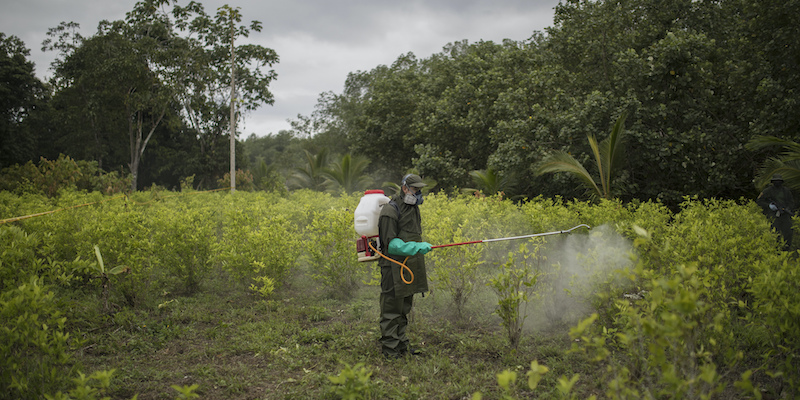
236,346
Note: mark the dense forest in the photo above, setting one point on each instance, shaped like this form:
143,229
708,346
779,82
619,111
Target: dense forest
147,98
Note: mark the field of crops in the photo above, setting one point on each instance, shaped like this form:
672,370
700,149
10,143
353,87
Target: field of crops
163,295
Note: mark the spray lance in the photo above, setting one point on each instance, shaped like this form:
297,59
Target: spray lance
404,268
366,225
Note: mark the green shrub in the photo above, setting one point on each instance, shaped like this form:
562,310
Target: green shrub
455,270
25,255
48,177
667,340
717,233
352,382
34,346
515,285
776,309
256,232
180,243
332,254
92,387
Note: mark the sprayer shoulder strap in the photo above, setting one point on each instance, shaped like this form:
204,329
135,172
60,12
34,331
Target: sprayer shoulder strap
396,208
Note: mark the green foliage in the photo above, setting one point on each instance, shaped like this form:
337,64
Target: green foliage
332,252
268,178
22,93
705,309
776,308
92,387
608,155
727,254
180,244
50,176
787,163
311,175
508,378
25,256
186,392
347,174
264,285
244,181
352,382
34,344
103,274
456,270
490,182
669,339
515,285
255,240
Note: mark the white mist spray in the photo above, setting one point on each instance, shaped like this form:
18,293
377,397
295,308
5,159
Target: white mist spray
574,268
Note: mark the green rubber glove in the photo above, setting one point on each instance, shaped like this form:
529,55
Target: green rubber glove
400,248
424,247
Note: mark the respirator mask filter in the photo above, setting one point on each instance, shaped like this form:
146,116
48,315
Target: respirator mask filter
413,199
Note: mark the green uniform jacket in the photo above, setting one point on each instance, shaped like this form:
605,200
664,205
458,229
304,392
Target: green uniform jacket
404,223
781,196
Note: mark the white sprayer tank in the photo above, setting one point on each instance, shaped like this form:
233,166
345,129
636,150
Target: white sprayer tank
368,212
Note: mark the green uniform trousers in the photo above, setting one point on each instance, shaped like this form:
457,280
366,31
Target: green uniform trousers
394,316
783,225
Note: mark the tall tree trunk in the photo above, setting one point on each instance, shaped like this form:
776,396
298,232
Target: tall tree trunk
138,144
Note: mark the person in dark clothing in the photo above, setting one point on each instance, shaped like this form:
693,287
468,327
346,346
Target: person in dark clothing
778,205
400,236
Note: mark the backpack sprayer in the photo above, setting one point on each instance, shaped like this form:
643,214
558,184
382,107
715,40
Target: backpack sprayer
366,225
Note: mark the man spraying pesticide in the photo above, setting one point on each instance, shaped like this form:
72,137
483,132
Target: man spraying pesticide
393,236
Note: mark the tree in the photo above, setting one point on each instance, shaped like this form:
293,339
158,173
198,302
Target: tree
20,94
203,79
608,154
491,182
786,163
106,88
347,174
312,174
141,71
114,78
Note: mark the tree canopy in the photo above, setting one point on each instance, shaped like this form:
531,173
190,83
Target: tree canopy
697,80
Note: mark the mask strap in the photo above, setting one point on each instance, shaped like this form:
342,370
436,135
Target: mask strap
404,180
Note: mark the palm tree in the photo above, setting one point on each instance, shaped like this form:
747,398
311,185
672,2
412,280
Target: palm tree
490,182
348,174
607,155
311,175
787,163
268,178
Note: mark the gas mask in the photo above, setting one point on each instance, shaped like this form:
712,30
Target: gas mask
413,199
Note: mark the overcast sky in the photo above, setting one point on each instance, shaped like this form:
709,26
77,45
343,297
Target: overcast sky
318,41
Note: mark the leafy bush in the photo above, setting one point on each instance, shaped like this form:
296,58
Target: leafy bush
25,256
673,338
515,285
51,176
255,232
34,346
332,252
729,243
352,382
776,309
180,242
455,270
